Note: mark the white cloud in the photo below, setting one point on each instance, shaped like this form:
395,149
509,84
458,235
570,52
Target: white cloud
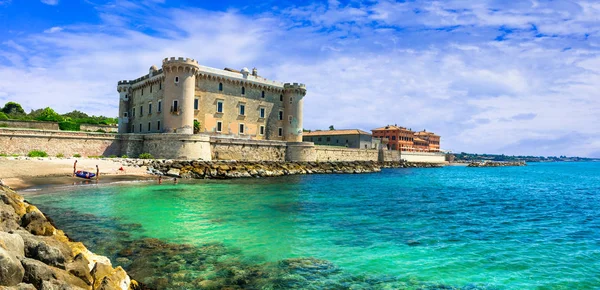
53,29
50,2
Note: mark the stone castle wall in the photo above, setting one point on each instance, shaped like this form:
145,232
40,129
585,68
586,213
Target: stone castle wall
423,157
332,153
94,128
29,124
247,150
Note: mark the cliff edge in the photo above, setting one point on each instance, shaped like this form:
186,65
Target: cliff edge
36,255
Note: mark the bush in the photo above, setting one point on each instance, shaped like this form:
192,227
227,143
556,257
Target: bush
124,156
146,156
37,153
112,156
68,126
60,155
76,155
3,125
3,116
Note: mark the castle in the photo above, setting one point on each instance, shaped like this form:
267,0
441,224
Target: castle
184,97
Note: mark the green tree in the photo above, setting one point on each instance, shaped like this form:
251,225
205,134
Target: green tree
13,109
76,115
3,116
196,127
48,114
331,127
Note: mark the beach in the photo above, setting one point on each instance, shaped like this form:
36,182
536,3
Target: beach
24,172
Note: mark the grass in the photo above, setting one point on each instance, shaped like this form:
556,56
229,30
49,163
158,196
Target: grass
77,155
60,155
124,156
37,153
146,156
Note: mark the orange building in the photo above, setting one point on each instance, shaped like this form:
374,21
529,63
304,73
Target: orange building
404,139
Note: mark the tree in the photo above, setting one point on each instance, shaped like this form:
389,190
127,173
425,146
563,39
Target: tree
13,109
48,114
3,116
331,127
76,115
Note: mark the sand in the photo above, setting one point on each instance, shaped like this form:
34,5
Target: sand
23,172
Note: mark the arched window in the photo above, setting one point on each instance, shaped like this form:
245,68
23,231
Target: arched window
220,87
176,80
281,98
291,99
263,94
243,90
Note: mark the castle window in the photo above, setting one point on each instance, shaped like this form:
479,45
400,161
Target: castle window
242,128
291,100
125,114
150,88
142,91
280,131
281,98
220,87
263,94
175,107
328,139
242,109
176,80
149,126
158,126
150,108
219,106
141,111
280,115
133,112
219,126
290,119
160,85
140,127
196,104
393,137
132,128
159,106
319,139
262,130
243,91
262,112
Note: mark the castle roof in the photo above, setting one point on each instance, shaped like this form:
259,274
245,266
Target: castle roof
336,132
390,128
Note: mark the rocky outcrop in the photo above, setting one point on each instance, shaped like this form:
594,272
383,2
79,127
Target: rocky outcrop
496,164
36,255
235,169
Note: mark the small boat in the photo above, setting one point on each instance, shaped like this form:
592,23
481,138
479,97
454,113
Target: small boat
85,174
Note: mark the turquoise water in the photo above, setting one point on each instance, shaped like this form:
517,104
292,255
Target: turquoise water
534,227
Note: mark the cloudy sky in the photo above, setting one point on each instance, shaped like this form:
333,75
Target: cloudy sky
490,76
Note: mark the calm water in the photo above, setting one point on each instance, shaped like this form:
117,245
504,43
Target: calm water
534,227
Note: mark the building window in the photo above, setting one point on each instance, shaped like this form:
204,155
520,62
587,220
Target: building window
140,127
219,106
133,112
151,88
242,109
149,126
290,119
291,100
280,115
262,94
219,126
262,112
175,107
281,98
125,114
132,128
150,108
142,91
243,91
262,130
159,106
393,137
328,139
220,87
160,86
319,139
141,111
196,104
158,126
176,80
280,131
242,128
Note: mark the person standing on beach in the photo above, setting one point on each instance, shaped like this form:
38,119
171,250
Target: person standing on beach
160,179
97,173
74,168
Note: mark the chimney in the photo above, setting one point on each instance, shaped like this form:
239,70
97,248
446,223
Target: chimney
255,72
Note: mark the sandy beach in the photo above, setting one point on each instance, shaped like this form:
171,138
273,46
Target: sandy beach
23,172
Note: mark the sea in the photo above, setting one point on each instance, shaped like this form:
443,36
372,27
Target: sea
456,227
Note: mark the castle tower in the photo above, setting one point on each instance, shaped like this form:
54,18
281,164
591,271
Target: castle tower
179,88
124,89
293,102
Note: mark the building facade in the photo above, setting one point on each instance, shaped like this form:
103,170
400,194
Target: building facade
185,97
404,139
352,138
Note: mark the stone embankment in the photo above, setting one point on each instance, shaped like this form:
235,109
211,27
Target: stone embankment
36,255
496,164
235,169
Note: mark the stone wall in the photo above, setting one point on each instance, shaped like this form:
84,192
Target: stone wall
29,125
94,128
21,141
247,150
332,153
389,155
177,146
423,157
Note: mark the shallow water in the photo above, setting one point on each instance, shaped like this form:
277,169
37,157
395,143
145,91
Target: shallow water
534,227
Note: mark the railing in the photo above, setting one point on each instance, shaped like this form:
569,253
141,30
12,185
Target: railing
175,110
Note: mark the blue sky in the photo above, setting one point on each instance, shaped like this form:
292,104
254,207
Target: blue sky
490,76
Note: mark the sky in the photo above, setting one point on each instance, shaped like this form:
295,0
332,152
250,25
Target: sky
489,76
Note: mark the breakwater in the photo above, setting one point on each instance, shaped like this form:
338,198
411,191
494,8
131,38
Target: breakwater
236,169
34,254
496,164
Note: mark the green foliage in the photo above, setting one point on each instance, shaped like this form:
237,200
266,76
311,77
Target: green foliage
13,109
331,127
146,156
124,156
76,155
76,115
48,114
112,156
3,116
196,127
68,126
3,155
3,125
37,153
60,155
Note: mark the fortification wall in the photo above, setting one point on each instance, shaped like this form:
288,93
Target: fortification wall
247,150
29,124
177,146
22,141
423,157
390,155
94,128
332,153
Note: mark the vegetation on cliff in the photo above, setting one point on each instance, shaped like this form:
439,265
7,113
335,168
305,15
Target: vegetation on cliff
474,157
69,121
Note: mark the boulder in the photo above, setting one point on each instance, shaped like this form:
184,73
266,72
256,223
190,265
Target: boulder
36,272
118,279
31,216
9,220
11,270
49,255
173,172
79,268
58,285
13,243
20,286
100,271
41,228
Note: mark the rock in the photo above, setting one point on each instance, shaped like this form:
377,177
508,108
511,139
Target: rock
11,270
9,220
58,285
36,272
100,271
49,255
173,172
31,216
79,268
41,228
13,243
118,279
21,286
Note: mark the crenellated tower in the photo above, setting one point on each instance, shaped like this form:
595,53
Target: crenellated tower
179,89
124,89
293,103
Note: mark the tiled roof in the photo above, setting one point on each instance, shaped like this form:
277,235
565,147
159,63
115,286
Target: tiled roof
391,127
425,133
336,132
